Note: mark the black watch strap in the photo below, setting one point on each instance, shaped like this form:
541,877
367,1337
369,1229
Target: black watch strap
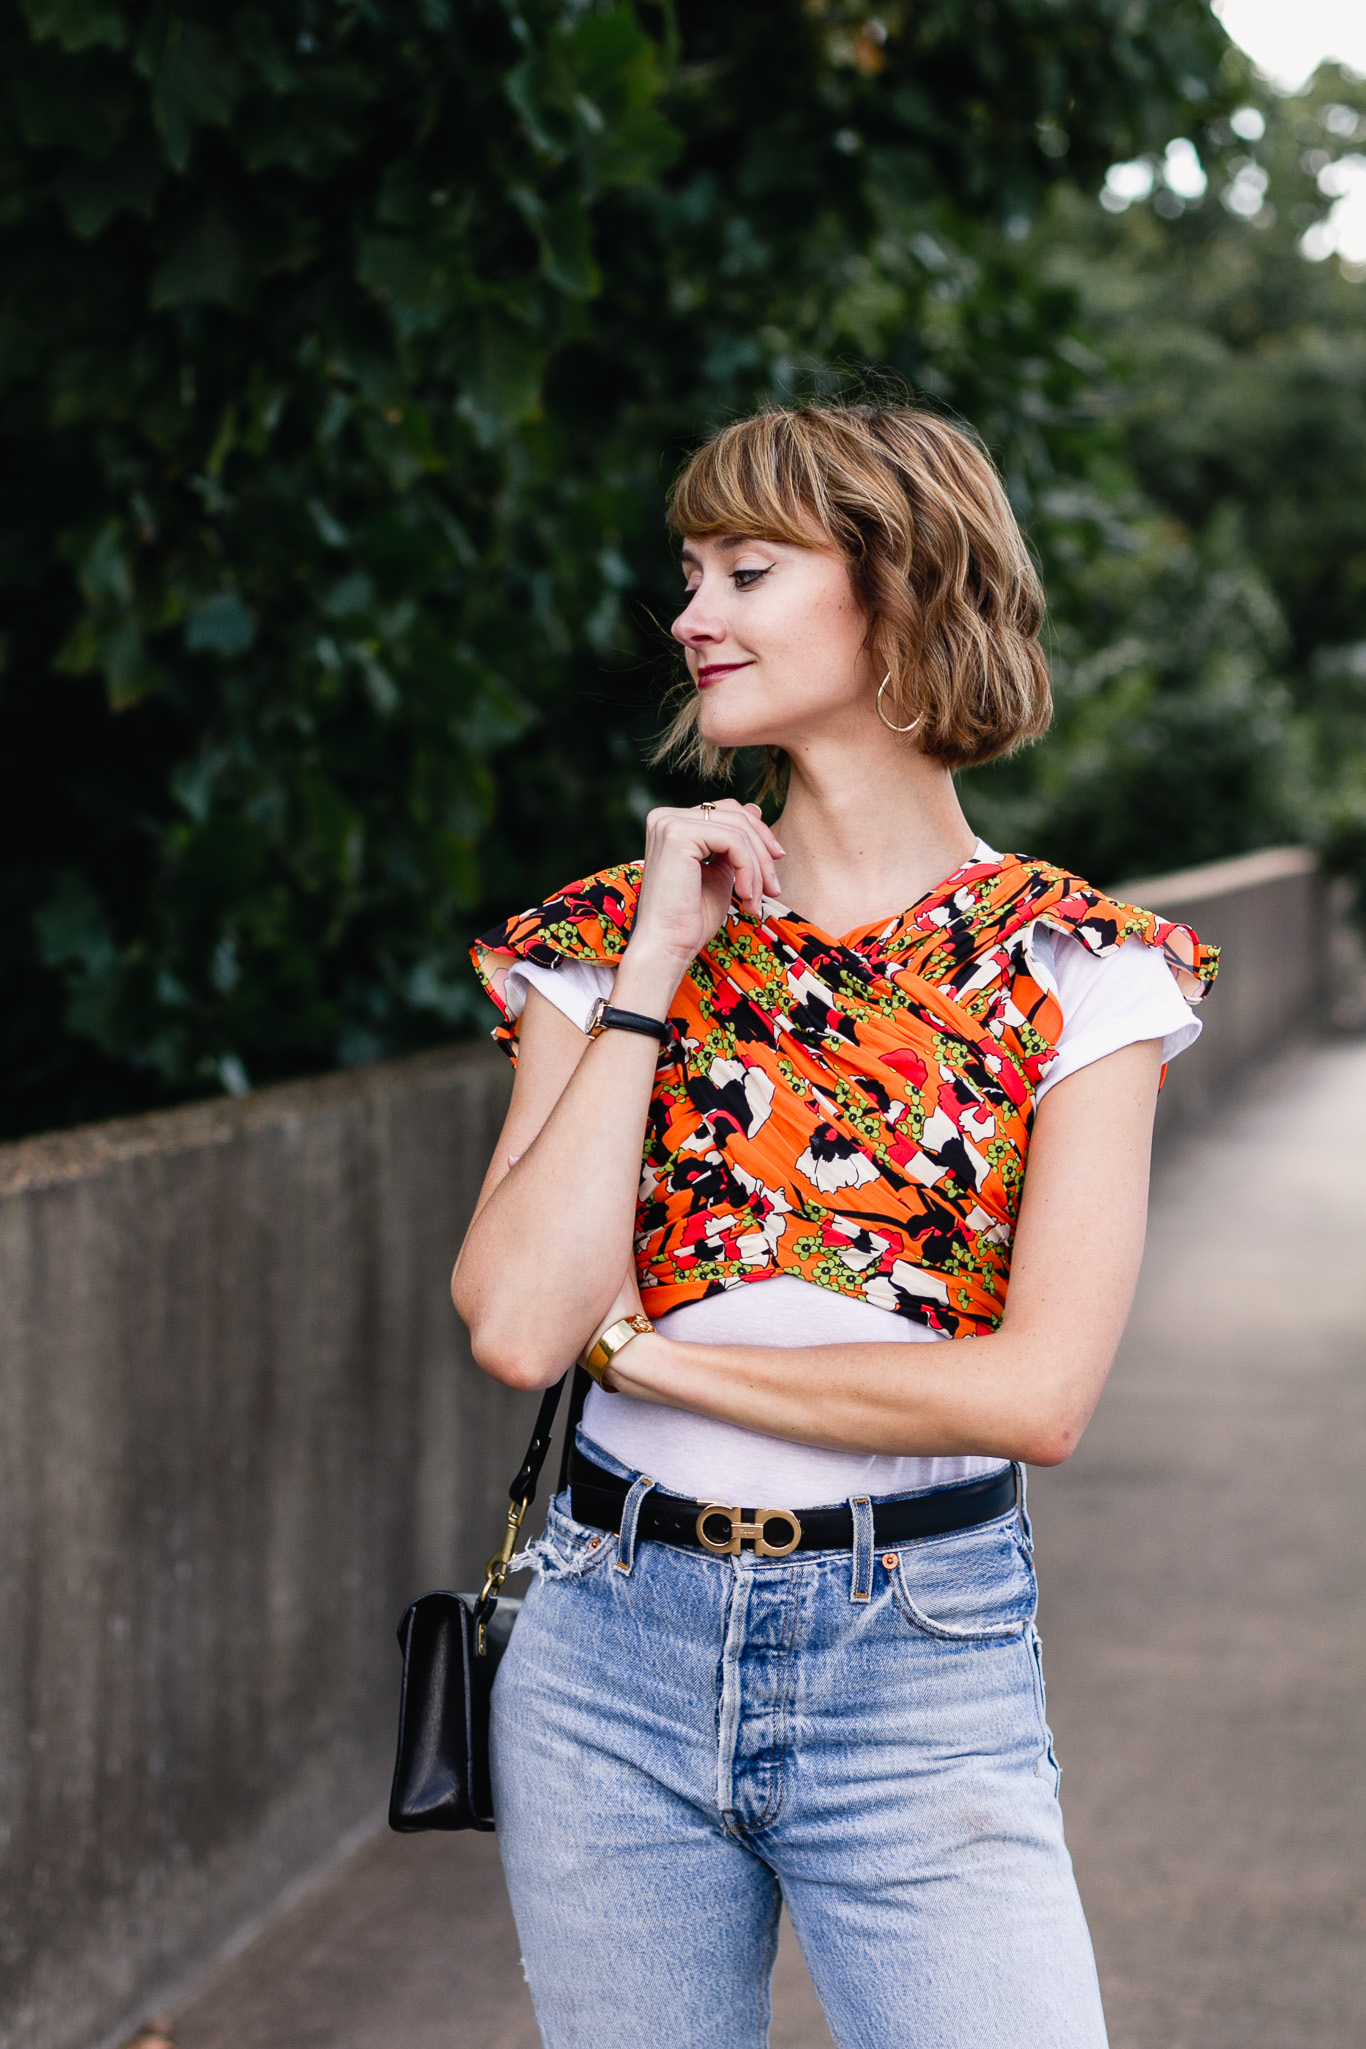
604,1018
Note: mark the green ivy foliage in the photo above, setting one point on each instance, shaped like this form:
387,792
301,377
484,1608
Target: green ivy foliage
345,352
281,285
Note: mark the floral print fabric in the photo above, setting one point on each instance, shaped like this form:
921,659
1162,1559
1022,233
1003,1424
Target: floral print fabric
853,1111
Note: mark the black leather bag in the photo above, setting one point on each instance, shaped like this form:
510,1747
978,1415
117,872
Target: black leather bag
452,1645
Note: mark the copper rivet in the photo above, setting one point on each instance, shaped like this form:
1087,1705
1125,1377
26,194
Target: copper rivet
889,1559
593,1543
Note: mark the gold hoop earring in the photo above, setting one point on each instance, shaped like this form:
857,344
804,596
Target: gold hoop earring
883,716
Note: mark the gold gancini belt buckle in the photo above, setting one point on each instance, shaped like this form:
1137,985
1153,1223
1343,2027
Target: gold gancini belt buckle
740,1530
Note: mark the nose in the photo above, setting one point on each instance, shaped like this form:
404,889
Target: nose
696,625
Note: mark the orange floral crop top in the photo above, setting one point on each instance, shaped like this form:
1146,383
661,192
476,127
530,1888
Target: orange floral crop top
853,1111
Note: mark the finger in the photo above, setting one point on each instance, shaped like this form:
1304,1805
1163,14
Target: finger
748,886
747,854
766,832
752,817
751,878
727,830
734,865
760,875
767,847
765,872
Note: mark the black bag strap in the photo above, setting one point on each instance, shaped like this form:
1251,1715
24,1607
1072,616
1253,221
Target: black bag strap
522,1492
578,1395
523,1488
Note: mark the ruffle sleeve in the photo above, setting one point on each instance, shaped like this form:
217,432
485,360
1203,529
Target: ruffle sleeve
1102,923
590,920
961,937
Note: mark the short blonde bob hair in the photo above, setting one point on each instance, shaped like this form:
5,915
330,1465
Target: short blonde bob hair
916,507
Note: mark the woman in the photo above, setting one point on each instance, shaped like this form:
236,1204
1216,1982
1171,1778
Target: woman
765,1165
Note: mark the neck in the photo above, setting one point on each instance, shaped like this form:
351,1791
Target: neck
868,831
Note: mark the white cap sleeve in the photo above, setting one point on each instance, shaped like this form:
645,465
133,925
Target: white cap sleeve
1113,1000
573,987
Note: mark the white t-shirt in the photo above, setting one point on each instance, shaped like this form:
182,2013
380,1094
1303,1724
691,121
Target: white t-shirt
1107,1002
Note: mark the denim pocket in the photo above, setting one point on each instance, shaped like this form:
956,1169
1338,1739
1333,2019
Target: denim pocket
974,1586
1047,1765
568,1550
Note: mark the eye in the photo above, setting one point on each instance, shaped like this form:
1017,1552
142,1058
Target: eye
745,579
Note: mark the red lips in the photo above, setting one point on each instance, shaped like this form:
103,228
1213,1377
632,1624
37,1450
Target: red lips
712,672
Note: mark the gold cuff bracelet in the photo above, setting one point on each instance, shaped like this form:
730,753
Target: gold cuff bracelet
600,1355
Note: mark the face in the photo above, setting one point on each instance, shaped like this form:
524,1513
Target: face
774,636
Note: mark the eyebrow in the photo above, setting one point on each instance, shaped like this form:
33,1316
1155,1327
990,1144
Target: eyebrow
729,544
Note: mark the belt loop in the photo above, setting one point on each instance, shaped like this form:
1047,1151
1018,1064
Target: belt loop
861,1581
630,1517
1022,1507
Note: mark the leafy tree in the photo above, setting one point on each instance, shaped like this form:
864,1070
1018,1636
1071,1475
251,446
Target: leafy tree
1238,403
343,354
1173,740
288,538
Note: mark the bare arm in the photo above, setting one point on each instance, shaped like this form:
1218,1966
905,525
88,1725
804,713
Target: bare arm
551,1247
551,1240
1027,1391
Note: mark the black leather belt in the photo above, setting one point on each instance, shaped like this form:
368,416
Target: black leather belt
597,1498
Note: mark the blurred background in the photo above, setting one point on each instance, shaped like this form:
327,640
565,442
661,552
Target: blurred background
346,353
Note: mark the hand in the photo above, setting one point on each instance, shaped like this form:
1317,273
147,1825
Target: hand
636,1370
695,861
626,1303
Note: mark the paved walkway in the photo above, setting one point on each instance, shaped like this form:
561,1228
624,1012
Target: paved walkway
1205,1621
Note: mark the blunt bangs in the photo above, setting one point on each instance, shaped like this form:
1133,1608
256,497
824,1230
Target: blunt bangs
755,480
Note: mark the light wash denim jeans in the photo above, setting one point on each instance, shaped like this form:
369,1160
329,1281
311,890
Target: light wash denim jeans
682,1743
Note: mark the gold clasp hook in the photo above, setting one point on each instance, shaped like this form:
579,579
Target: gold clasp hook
497,1568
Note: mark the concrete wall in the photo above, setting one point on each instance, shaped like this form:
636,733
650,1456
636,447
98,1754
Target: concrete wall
241,1429
1266,912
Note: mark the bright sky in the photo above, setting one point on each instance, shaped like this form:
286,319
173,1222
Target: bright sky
1288,39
